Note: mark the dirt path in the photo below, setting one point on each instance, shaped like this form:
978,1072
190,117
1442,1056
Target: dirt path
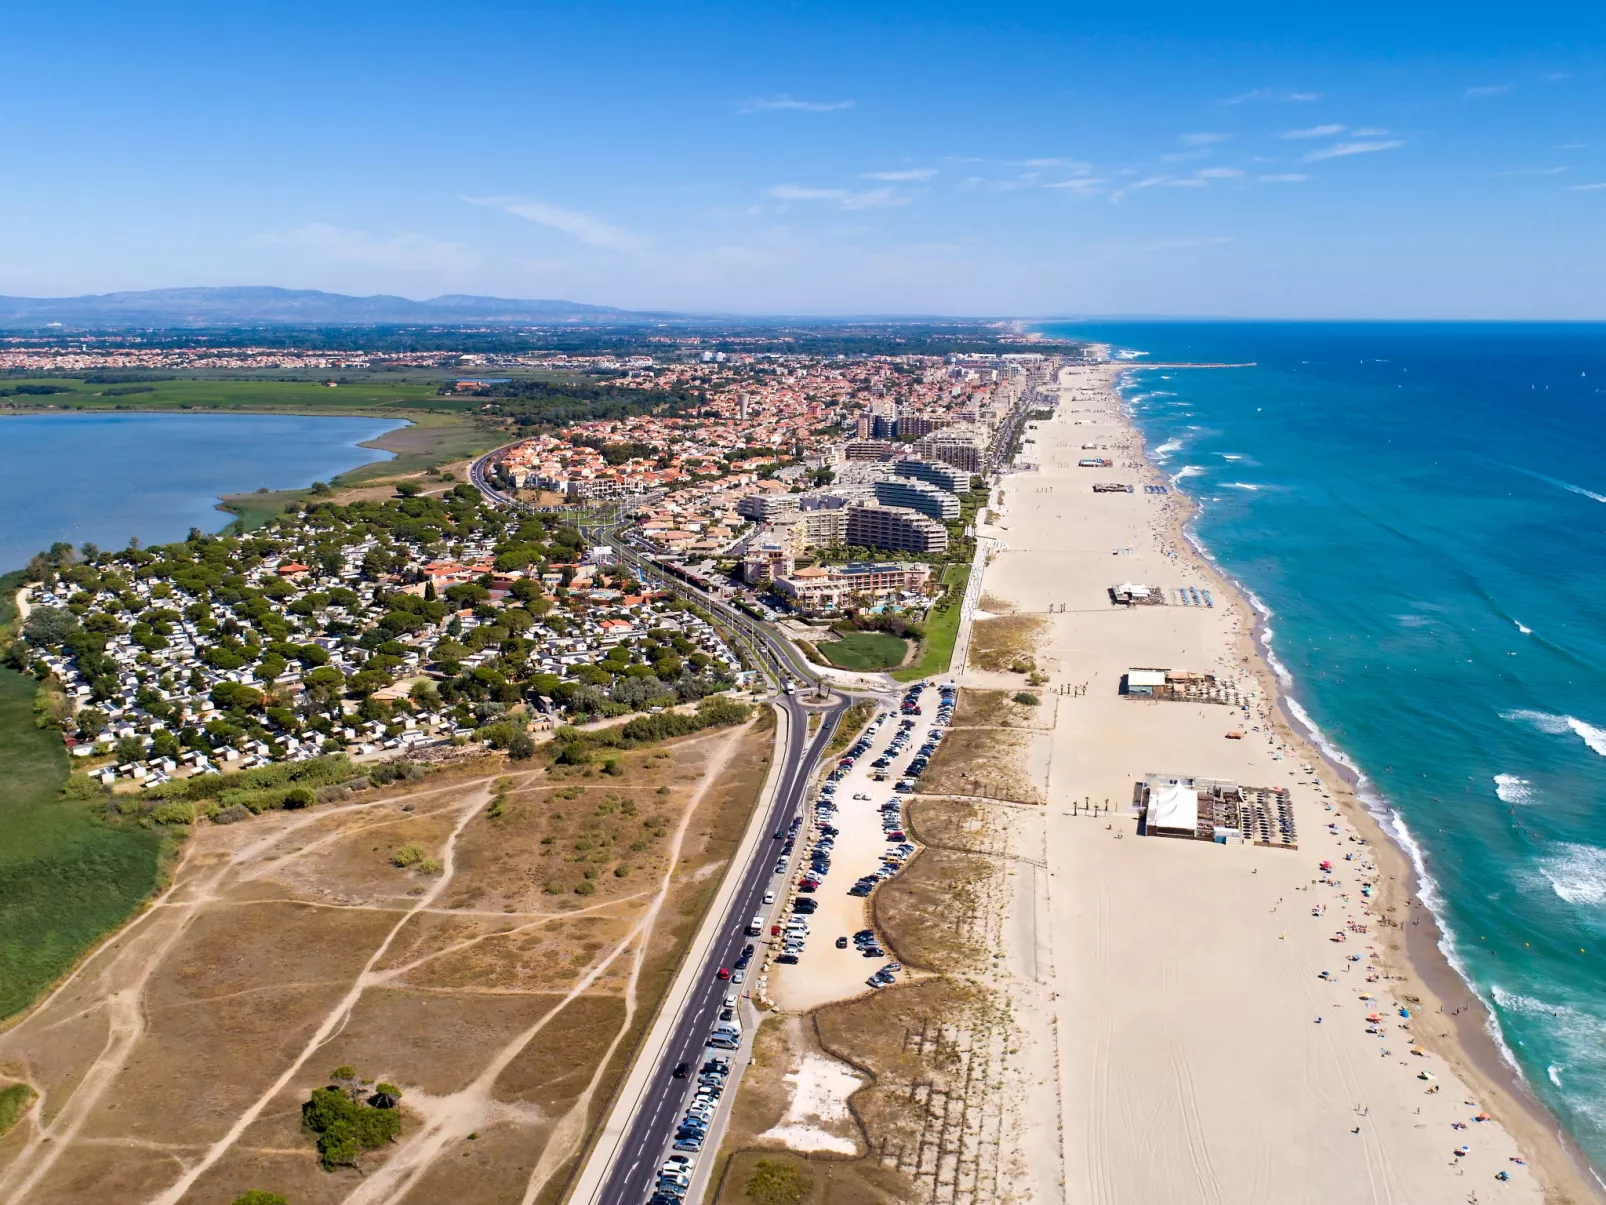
450,1119
337,1016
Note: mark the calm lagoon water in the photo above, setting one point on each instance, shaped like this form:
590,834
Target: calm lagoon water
104,478
1422,508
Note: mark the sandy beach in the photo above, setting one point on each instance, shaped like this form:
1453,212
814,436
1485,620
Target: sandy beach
1232,1023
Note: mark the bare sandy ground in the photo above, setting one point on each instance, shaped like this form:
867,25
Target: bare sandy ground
1196,1052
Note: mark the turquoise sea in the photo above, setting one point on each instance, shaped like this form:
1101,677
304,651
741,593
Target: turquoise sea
104,478
1422,510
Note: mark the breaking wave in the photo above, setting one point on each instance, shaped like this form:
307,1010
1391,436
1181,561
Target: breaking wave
1560,725
1577,874
1512,789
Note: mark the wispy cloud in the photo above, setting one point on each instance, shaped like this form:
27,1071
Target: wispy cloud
841,198
1369,132
1326,131
1258,94
912,173
1075,165
1533,171
785,102
1284,178
1218,173
1188,244
585,227
1589,187
408,252
1137,186
1079,184
1340,149
1485,90
1206,139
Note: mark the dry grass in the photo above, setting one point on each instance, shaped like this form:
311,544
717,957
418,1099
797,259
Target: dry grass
213,997
998,709
981,761
1001,643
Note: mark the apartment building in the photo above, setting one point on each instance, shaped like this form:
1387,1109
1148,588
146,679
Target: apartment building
918,496
825,587
943,476
871,525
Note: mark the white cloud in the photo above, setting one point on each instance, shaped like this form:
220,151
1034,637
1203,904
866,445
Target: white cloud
1082,184
592,231
1369,132
1204,139
1533,171
792,192
1188,244
1285,178
787,103
912,173
1255,94
874,198
1189,182
1218,173
1485,90
1340,149
1589,187
411,252
1326,131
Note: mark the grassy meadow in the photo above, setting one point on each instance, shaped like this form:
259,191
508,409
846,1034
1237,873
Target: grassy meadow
865,651
942,628
67,876
279,397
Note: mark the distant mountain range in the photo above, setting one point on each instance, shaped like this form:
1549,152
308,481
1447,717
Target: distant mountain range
262,305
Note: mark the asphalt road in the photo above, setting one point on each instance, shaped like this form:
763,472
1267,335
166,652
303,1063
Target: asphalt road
635,1171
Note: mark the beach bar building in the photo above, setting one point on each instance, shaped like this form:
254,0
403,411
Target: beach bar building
1143,681
1173,810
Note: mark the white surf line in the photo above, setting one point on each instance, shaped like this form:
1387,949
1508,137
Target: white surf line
333,1021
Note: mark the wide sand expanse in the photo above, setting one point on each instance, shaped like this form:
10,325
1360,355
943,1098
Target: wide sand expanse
1201,1057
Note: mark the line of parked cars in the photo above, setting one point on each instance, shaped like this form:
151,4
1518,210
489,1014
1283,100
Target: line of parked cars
674,1177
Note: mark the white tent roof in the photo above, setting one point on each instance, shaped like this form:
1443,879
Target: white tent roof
1136,589
1145,677
1175,807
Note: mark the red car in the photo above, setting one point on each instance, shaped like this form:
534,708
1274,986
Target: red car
724,973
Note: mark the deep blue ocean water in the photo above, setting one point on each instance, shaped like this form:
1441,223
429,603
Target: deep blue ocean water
107,477
1423,510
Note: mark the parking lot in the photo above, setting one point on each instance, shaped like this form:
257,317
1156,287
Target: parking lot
853,839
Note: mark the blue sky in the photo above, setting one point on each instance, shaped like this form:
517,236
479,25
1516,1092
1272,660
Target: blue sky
1002,159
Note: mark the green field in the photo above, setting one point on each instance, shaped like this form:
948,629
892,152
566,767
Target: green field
942,628
865,651
67,877
287,397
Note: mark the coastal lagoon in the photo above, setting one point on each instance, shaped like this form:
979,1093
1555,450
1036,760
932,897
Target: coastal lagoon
105,478
1422,510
